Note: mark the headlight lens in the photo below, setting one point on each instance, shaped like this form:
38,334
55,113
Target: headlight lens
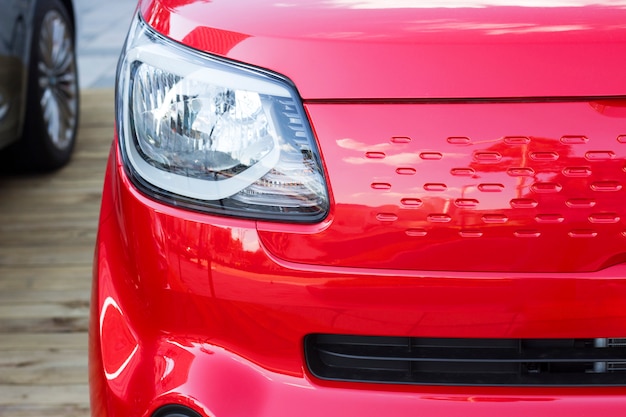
214,135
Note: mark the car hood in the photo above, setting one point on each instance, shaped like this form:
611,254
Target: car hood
420,177
380,49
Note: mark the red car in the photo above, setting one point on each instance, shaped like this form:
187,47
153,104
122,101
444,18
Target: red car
365,208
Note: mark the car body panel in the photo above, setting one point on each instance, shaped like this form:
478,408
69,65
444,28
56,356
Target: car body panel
402,49
11,98
514,187
14,38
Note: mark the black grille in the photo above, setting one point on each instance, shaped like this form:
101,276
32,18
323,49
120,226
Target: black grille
453,361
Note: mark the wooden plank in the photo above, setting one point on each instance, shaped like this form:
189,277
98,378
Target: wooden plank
96,98
33,410
44,311
43,368
32,209
62,255
34,341
57,324
46,236
69,297
54,395
48,218
34,185
52,222
71,307
54,198
98,136
44,277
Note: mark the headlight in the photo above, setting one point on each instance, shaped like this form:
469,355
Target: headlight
209,134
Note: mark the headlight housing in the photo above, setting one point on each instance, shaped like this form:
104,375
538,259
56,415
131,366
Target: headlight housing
209,134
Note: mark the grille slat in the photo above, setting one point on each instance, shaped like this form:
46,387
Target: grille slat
468,355
506,362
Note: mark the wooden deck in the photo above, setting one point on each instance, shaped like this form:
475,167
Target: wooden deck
47,234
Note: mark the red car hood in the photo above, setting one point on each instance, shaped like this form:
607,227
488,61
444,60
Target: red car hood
485,185
338,49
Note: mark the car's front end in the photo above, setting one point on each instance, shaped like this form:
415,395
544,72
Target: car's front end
364,208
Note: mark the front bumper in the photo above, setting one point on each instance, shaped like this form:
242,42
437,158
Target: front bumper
190,309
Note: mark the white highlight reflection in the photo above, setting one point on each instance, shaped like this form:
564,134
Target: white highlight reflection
110,302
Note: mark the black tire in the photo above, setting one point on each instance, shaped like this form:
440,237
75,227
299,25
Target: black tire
52,105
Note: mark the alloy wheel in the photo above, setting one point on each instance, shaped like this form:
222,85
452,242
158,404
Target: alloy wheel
57,76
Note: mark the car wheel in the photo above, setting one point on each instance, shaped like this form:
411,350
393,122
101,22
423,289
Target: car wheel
52,105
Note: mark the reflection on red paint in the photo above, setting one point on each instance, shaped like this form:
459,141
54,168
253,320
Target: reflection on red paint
547,182
217,41
119,345
172,364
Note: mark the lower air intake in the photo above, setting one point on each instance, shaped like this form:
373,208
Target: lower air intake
452,361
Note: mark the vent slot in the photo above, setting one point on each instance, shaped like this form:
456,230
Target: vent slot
455,361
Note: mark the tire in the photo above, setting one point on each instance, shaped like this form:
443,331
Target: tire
52,99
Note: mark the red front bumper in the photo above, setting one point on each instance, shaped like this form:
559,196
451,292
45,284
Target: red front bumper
191,309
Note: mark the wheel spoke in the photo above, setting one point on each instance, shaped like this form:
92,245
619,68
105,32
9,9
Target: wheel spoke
57,79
